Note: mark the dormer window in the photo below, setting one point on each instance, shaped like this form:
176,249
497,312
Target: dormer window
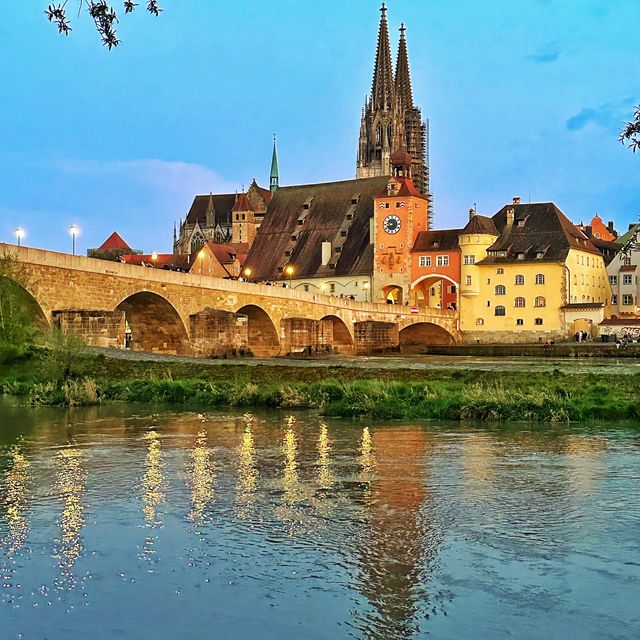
520,256
349,216
355,199
539,255
519,223
294,237
306,206
436,244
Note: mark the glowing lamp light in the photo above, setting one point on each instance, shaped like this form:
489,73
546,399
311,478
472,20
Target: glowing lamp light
20,233
247,272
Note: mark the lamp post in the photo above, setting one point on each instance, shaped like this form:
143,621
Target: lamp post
289,271
74,231
19,235
365,286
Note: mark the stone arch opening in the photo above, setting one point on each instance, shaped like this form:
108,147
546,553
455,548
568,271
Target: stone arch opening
262,333
392,294
424,334
153,325
436,291
334,334
21,308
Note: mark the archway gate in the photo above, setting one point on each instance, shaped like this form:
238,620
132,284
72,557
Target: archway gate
171,312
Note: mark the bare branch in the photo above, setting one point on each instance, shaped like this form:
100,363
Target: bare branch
630,135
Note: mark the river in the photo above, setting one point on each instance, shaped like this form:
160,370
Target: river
131,522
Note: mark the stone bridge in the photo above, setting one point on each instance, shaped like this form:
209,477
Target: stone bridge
111,304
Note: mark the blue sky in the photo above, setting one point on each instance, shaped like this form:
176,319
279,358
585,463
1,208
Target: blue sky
524,98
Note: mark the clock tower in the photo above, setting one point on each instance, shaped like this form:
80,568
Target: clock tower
399,215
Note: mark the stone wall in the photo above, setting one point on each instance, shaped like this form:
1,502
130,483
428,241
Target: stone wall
375,337
95,328
217,334
511,337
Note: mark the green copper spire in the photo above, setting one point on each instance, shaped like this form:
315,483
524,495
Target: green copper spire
275,176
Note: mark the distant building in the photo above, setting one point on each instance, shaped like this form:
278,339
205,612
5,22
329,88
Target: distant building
390,120
528,274
598,230
112,248
623,275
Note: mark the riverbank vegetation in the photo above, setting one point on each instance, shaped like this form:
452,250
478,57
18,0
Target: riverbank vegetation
66,374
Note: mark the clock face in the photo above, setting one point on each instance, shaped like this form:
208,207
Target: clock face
392,224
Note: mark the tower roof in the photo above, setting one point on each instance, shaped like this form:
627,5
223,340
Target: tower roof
382,90
114,242
403,76
274,161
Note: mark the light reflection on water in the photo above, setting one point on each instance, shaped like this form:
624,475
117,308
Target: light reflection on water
275,527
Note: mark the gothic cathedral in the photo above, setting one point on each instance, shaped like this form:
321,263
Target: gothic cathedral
390,121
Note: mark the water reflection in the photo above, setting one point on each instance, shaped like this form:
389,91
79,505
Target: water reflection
325,475
201,478
290,479
153,484
71,489
247,470
16,499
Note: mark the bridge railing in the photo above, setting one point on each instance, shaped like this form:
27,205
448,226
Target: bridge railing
53,259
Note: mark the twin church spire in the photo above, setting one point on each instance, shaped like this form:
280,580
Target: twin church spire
390,120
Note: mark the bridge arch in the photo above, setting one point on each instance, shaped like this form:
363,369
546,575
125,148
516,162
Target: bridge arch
422,334
262,332
435,290
335,333
153,324
22,297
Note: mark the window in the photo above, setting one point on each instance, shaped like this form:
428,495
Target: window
519,223
488,303
538,321
424,261
452,288
469,259
501,290
488,280
540,302
540,278
519,279
479,321
613,280
442,261
332,287
500,311
627,260
614,299
305,287
627,278
539,255
519,302
500,271
627,299
520,256
519,322
468,281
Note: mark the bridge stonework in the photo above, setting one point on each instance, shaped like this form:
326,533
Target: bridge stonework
183,313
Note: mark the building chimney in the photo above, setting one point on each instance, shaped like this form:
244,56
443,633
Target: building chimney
517,200
472,212
511,214
610,228
326,253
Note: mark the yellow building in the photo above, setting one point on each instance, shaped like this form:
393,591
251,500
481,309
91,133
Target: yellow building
529,275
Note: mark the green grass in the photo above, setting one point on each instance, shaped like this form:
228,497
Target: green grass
346,392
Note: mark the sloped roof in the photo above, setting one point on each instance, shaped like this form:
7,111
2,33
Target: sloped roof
242,204
222,205
325,218
114,242
481,224
623,239
437,240
608,248
537,227
162,260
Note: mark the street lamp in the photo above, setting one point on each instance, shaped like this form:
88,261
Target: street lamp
365,286
289,271
74,231
154,258
19,235
201,258
247,273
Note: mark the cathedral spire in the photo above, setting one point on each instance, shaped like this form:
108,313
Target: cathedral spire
403,76
382,91
274,179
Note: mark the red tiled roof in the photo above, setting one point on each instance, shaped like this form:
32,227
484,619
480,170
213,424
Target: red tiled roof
437,240
114,241
407,188
242,204
628,267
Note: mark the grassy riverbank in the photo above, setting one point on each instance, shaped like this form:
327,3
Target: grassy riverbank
398,393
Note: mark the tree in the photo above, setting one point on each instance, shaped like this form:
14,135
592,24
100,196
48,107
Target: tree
102,13
630,135
18,310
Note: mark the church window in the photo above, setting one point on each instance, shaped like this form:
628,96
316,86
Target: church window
538,321
501,290
519,302
519,279
500,311
540,302
389,133
540,278
379,134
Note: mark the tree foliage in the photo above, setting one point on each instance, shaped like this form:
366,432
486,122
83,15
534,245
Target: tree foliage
103,14
18,311
630,135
